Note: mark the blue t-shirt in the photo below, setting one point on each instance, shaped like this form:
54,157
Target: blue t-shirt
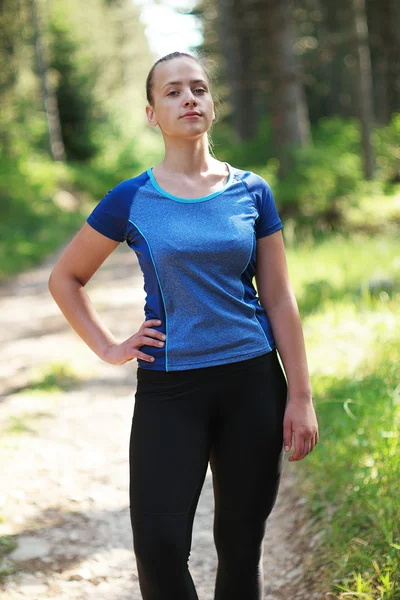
198,259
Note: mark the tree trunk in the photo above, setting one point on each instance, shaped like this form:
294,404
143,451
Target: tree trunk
363,83
56,143
235,37
390,21
288,107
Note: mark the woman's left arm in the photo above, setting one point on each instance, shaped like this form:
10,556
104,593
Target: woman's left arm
278,300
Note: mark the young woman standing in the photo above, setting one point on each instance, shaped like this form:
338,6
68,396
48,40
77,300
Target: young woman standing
210,386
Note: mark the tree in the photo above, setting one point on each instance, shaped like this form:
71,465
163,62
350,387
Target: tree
56,142
363,83
287,104
10,25
383,25
235,22
74,95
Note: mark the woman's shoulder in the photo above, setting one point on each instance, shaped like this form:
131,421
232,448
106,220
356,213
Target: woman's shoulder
111,214
252,180
119,198
127,185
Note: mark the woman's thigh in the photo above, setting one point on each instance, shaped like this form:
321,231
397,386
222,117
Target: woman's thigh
247,453
170,442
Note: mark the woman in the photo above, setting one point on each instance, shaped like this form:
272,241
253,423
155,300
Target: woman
210,385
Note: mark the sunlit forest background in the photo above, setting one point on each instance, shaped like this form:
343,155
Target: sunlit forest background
308,96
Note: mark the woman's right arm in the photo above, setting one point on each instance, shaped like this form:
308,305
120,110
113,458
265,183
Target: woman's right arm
80,260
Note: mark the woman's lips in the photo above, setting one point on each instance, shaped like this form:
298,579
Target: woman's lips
192,116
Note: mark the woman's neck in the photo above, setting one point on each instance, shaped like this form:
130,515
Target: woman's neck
190,158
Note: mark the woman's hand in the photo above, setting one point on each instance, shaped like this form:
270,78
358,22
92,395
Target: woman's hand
120,353
300,419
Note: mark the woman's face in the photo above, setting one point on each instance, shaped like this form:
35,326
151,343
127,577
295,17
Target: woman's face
180,85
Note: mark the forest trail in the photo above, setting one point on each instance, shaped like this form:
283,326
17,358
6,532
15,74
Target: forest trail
64,457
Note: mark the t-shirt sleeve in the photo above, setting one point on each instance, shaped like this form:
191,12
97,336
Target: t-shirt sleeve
109,216
268,220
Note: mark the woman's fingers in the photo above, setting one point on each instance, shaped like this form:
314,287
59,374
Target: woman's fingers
146,329
142,356
303,445
143,340
148,337
308,446
297,453
154,322
154,333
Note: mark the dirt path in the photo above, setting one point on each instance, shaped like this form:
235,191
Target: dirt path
64,478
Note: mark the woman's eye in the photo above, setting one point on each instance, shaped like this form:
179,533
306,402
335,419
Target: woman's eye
196,90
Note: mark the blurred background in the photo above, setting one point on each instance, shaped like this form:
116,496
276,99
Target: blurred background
308,96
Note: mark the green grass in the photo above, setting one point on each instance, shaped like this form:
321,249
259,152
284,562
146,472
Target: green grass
355,470
25,424
7,545
18,425
351,479
344,267
55,377
50,379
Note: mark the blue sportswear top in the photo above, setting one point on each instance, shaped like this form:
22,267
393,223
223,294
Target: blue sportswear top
198,258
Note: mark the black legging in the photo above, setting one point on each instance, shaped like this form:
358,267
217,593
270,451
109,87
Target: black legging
230,415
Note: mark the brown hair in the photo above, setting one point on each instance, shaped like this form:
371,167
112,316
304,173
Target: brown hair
205,64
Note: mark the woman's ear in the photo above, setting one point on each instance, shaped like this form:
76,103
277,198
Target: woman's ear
151,116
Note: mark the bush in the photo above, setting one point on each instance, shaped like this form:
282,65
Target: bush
31,224
321,176
327,178
240,154
386,143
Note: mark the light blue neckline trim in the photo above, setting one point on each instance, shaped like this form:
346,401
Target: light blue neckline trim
201,199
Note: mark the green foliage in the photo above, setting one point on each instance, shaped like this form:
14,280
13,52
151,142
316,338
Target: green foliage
255,151
354,269
74,92
122,159
351,323
326,182
324,173
16,58
31,224
359,420
7,544
338,133
321,176
386,142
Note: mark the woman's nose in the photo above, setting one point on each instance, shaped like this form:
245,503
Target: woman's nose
190,97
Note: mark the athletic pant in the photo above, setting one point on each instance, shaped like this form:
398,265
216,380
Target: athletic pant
230,415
